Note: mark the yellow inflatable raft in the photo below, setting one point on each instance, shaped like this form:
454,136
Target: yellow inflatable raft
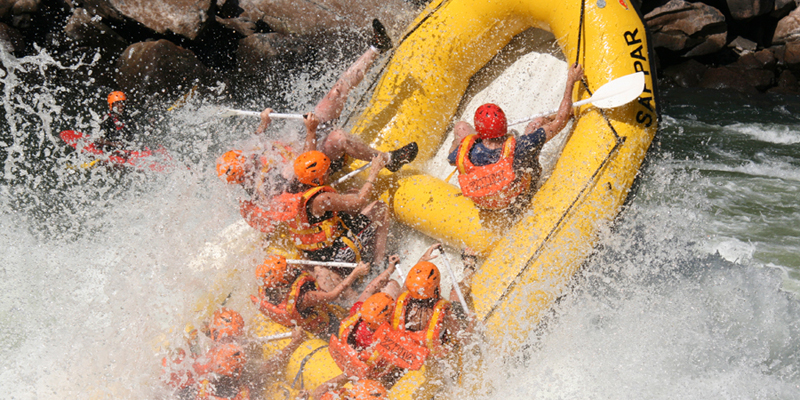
527,267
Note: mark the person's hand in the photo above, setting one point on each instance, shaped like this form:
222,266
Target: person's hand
265,118
378,162
361,269
575,73
429,252
394,259
298,335
311,121
265,121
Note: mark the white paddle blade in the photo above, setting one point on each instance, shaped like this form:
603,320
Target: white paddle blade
619,92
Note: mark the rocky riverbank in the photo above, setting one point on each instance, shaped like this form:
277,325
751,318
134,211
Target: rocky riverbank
164,48
749,46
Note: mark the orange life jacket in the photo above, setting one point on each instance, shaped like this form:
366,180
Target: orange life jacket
282,207
337,394
287,314
493,186
430,338
365,364
312,237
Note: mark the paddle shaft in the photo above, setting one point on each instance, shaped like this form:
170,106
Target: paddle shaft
455,283
615,93
548,113
258,114
272,338
323,263
352,174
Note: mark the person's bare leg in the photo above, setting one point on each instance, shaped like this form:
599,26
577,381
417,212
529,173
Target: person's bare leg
339,143
378,213
328,280
331,106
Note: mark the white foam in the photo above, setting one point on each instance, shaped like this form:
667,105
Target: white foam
770,133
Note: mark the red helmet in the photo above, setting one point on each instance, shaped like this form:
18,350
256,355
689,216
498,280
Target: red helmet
114,97
226,323
490,121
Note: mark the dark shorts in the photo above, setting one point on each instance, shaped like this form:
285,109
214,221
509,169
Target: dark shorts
361,230
323,131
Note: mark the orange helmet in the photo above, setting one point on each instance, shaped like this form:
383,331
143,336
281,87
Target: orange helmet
366,389
114,97
227,359
230,166
311,166
377,309
423,280
273,271
226,323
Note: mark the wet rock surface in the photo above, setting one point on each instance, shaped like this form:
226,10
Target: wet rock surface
750,46
164,47
244,45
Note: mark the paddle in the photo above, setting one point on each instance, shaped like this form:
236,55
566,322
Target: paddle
272,338
323,263
618,92
352,173
230,112
455,282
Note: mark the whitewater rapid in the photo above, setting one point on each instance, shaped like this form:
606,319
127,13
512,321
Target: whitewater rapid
691,294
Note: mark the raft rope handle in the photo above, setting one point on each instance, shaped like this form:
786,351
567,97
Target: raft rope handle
303,363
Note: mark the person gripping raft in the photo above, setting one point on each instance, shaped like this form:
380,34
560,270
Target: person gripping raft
423,322
497,170
267,172
291,297
352,348
330,226
220,373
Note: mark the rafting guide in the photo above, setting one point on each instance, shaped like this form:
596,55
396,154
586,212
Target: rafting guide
497,170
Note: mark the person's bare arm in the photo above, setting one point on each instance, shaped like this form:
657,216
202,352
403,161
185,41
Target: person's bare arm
319,297
265,121
332,384
552,128
311,122
353,202
380,281
429,252
277,364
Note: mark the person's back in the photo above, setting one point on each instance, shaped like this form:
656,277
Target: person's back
496,169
